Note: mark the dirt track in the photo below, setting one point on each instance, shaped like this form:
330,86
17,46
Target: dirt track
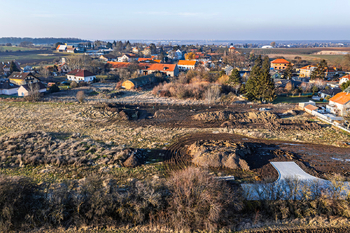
265,151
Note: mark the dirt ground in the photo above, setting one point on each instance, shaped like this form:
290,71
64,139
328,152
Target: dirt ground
162,129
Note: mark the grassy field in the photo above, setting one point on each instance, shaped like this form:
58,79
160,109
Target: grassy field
291,99
15,49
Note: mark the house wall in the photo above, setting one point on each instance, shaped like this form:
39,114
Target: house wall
9,91
343,109
279,66
343,80
23,92
186,67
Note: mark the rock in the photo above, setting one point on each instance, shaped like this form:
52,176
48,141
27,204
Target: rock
132,161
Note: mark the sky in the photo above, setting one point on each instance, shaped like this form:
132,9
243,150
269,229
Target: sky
177,20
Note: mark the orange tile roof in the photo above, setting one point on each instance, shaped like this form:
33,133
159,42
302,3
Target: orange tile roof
156,66
311,107
119,65
306,67
144,66
232,47
280,61
346,76
186,63
158,61
141,59
341,98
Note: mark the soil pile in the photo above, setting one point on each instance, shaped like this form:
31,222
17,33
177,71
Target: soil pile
228,115
219,154
35,148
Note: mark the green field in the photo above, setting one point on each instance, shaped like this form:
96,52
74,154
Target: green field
292,99
15,49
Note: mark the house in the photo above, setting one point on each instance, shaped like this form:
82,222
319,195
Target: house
329,92
186,65
128,58
25,90
108,57
340,103
61,48
22,78
233,50
147,52
279,64
148,68
168,69
5,67
135,50
305,72
71,50
330,72
309,108
81,75
27,69
175,55
302,105
8,88
63,68
139,82
344,79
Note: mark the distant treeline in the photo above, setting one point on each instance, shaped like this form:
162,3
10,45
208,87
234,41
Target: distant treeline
51,40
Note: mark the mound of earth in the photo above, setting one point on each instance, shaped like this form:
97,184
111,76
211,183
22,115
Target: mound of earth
35,148
228,115
219,154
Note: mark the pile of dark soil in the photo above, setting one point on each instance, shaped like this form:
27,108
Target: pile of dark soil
219,154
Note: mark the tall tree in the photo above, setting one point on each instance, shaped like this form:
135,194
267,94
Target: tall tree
288,72
235,77
266,82
13,67
260,85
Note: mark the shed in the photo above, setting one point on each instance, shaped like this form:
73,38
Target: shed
310,108
139,82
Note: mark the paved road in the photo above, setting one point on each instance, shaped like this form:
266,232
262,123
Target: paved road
290,170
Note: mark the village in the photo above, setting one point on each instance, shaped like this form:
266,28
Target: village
148,67
126,126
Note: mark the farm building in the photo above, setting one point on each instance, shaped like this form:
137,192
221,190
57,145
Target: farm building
140,82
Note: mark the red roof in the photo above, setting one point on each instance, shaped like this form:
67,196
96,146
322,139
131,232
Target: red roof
341,98
81,73
141,59
346,76
232,47
186,63
280,61
144,66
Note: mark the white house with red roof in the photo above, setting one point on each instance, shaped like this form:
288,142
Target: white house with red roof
344,79
340,103
81,75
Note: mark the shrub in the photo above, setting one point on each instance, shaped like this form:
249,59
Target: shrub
20,201
54,88
73,84
199,201
80,96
